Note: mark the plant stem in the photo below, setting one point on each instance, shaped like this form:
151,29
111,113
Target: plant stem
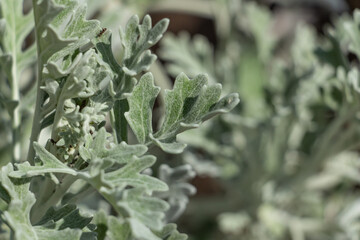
36,124
120,123
15,97
45,201
16,115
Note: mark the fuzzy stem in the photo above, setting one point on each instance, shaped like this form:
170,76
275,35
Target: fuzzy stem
15,97
16,115
45,203
36,124
120,123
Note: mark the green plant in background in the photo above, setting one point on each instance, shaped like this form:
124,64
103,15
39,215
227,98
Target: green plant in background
76,180
287,158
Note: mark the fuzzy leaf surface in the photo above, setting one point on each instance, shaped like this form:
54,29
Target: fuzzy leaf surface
17,214
141,102
14,28
191,102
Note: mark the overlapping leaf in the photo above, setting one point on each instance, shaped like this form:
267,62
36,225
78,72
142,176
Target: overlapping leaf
102,156
347,33
14,29
191,102
17,215
192,56
62,28
179,190
136,40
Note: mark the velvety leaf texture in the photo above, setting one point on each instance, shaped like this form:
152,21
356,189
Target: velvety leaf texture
191,102
18,213
141,102
15,27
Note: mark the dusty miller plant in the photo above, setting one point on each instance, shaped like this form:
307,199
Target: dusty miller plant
78,84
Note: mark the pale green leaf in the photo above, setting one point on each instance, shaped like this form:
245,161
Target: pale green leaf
54,30
141,231
18,213
168,145
131,175
117,229
347,32
50,165
191,102
95,148
258,22
148,210
68,216
179,190
141,102
51,234
15,28
169,232
136,39
191,56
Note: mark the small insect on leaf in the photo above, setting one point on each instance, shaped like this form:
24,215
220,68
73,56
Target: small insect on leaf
101,32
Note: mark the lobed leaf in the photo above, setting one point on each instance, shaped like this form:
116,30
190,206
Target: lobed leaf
140,115
190,102
50,165
147,210
136,39
15,26
17,215
179,190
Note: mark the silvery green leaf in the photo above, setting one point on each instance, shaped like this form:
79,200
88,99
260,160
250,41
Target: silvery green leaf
141,102
61,30
111,227
59,24
147,210
48,42
118,229
15,26
120,154
169,232
186,103
191,102
122,84
140,230
347,32
136,39
51,234
186,106
169,145
135,202
131,175
258,22
350,83
17,215
67,216
224,105
50,165
191,56
179,190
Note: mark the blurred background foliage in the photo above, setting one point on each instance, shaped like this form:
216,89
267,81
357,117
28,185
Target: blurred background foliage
285,164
